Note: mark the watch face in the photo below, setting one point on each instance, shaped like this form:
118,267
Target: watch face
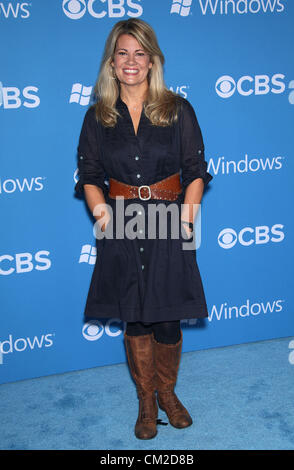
189,224
185,231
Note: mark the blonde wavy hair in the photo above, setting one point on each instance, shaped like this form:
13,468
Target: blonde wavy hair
161,104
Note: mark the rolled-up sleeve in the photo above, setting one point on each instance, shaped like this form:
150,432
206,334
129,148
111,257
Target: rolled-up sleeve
90,165
193,164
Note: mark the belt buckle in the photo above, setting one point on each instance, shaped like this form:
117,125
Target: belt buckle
139,190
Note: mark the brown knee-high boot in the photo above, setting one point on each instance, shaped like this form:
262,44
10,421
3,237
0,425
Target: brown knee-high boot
167,361
141,362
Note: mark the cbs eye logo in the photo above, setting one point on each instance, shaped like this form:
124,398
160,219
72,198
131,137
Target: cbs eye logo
227,238
225,86
74,9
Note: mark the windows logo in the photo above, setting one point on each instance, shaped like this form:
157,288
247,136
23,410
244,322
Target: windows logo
80,94
88,254
181,7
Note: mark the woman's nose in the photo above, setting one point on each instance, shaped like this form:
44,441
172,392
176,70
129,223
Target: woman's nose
131,59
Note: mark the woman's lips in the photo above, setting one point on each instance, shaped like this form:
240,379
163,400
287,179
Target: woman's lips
131,71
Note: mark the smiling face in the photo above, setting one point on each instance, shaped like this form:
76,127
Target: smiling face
131,63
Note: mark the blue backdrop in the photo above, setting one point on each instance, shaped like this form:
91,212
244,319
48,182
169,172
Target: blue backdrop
232,61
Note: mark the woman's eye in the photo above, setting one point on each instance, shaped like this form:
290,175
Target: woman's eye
138,54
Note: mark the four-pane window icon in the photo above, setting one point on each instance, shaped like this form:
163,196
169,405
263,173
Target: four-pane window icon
181,7
88,254
80,94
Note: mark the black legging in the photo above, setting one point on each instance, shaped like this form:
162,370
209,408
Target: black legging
168,332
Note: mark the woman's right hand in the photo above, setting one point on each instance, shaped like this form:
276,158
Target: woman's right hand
97,205
105,222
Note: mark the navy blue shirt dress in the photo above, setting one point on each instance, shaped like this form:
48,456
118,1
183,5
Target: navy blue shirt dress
143,279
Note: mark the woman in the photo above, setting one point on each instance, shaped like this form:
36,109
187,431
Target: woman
141,143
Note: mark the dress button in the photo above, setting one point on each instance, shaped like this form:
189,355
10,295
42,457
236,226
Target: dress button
138,176
142,266
140,212
81,157
140,231
199,151
136,157
141,248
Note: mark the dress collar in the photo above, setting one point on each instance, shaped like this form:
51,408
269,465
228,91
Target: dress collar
120,104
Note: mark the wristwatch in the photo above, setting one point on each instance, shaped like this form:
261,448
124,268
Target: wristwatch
190,224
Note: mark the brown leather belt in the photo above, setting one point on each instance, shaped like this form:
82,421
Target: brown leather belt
168,189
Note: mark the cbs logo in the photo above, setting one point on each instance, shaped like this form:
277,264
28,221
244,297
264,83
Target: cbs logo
226,86
75,9
228,237
24,262
94,329
13,98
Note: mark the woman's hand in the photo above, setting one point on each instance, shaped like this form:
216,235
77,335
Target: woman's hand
106,219
192,202
187,229
97,205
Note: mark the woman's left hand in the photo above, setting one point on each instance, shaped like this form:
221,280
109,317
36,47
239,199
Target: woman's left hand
187,230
